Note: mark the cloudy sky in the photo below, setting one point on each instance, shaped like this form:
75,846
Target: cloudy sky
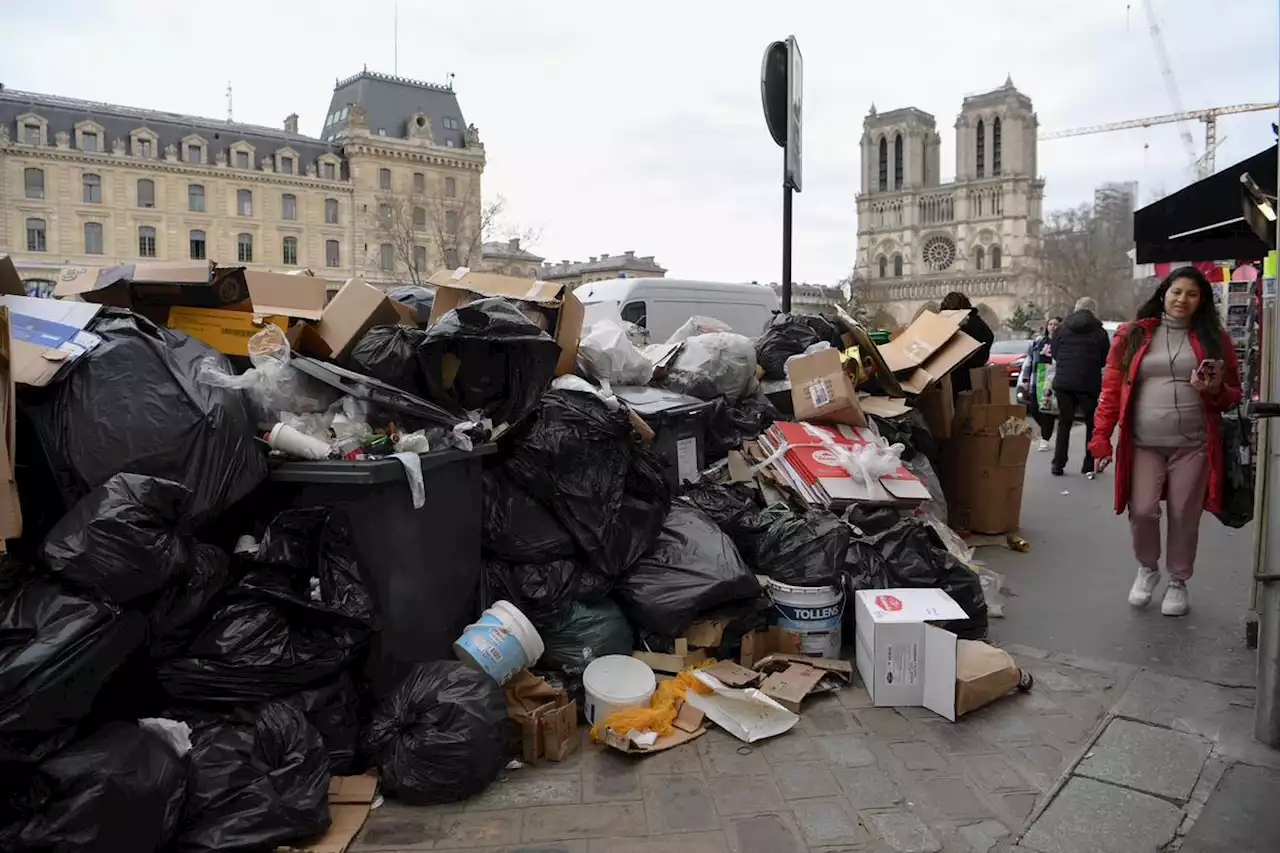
609,130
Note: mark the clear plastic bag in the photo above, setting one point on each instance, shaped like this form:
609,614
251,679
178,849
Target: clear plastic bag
701,326
272,386
606,354
717,364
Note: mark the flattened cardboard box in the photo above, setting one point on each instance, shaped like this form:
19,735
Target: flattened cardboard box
10,507
350,800
45,335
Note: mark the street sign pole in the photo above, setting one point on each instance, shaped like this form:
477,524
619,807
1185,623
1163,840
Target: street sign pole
782,91
1266,721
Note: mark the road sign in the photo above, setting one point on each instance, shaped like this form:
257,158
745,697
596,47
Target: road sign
782,91
795,111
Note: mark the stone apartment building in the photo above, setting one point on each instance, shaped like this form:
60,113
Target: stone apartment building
391,181
602,268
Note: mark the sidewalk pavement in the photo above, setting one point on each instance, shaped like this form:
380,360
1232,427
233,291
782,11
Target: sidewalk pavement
1160,753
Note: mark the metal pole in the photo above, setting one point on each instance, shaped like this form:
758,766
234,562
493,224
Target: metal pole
786,247
1266,722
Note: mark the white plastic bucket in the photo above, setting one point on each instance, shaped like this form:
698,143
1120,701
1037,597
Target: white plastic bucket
813,612
616,683
501,643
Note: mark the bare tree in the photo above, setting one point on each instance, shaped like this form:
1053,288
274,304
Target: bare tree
851,286
1083,254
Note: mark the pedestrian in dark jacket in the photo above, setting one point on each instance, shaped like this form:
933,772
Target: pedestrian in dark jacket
975,327
1080,349
1031,381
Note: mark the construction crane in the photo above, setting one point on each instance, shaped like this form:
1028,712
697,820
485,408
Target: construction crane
1210,116
1200,167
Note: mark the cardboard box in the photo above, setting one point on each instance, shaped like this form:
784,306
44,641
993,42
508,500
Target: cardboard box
987,418
545,715
690,724
983,675
929,349
990,384
938,405
45,335
565,312
195,283
354,310
821,391
273,298
996,503
758,645
10,507
350,799
902,659
226,331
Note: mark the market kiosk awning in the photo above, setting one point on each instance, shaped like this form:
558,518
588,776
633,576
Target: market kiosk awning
1206,221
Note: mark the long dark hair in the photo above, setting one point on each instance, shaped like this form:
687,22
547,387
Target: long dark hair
1206,325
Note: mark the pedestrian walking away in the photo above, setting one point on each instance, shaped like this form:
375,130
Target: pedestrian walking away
1170,375
1079,353
1035,382
975,327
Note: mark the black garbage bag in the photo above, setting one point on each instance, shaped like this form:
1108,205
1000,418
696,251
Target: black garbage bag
488,356
732,506
798,548
541,591
586,631
300,616
119,788
691,569
440,737
420,299
124,540
175,613
517,527
787,335
334,709
888,551
259,778
730,424
580,461
134,404
390,354
57,651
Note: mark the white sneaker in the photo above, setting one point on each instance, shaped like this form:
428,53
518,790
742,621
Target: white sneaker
1043,446
1143,585
1175,600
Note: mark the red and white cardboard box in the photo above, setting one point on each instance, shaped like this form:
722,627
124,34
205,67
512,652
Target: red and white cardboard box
816,471
902,659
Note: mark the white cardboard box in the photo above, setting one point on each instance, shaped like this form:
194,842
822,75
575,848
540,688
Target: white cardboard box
903,661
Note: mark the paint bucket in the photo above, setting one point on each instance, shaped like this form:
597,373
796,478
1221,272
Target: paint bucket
502,642
616,683
813,612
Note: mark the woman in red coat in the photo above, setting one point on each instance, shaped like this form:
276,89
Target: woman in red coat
1169,377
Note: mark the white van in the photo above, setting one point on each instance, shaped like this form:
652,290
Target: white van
662,305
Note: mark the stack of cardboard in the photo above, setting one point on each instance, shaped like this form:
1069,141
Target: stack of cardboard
986,458
928,350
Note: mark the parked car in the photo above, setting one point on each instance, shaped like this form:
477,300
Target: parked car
1009,355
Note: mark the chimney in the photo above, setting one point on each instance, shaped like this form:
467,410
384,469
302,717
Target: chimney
603,257
631,253
291,123
514,244
592,260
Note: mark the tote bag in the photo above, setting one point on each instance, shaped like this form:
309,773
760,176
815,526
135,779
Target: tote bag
1239,471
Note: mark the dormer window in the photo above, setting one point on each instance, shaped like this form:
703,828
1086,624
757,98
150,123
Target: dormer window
242,159
90,136
142,143
32,129
450,123
242,155
286,161
194,149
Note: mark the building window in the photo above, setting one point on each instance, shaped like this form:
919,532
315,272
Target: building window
143,148
328,171
897,162
981,149
995,257
286,165
884,266
31,134
451,259
332,254
195,198
884,164
451,221
897,265
244,202
146,242
384,179
195,154
382,131
35,235
91,189
386,257
419,219
242,159
33,179
450,188
146,192
331,211
197,246
420,259
244,248
290,251
288,206
979,257
93,238
450,123
995,147
88,141
419,182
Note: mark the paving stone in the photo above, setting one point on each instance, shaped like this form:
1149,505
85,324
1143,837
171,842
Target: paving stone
1093,816
1020,806
828,822
382,832
1020,651
679,760
981,837
805,780
766,833
679,804
845,751
609,780
541,791
885,723
918,755
788,748
600,820
1159,761
903,832
960,739
994,774
1066,730
692,842
480,829
855,698
1240,815
1045,759
745,795
953,798
868,787
826,719
734,759
1052,679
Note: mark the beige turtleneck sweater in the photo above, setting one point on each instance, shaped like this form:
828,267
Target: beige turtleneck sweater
1169,412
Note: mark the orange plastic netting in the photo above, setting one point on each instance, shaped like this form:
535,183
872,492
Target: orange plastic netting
662,709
